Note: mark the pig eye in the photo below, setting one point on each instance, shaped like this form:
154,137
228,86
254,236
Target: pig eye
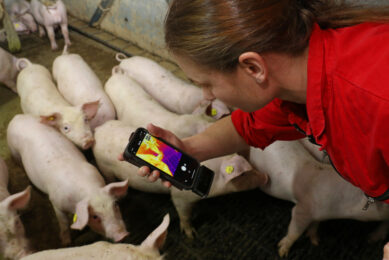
66,128
86,120
95,217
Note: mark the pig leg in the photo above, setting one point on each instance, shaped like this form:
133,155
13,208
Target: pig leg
65,33
51,34
312,233
184,210
11,85
380,233
300,221
64,231
41,31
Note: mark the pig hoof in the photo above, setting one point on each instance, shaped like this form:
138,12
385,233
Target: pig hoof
65,239
312,234
376,236
189,232
54,47
284,246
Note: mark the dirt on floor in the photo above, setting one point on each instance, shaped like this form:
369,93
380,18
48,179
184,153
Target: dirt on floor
246,225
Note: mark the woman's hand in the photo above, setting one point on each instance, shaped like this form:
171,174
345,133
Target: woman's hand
144,171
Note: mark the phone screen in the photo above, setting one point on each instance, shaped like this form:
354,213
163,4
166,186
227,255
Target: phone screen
165,158
159,154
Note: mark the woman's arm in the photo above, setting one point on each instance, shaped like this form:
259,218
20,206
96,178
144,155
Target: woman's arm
221,138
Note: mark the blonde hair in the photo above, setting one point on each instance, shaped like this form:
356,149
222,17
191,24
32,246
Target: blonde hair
214,33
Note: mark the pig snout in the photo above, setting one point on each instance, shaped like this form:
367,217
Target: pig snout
16,249
88,143
116,231
23,253
119,236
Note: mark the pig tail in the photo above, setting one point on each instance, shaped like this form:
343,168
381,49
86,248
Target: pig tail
22,63
120,56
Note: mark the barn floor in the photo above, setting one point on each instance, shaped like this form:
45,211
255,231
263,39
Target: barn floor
247,225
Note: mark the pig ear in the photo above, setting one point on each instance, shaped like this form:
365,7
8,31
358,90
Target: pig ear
201,107
218,109
18,200
81,217
117,70
51,120
233,167
90,109
117,189
157,238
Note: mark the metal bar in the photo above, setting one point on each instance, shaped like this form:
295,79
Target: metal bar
107,44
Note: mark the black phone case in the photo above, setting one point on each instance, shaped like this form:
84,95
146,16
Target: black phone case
203,176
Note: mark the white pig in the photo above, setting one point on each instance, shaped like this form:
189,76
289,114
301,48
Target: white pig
20,16
318,191
40,97
232,173
313,149
78,84
173,93
147,250
135,107
56,167
49,14
8,69
13,243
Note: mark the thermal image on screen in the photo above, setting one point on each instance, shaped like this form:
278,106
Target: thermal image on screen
159,154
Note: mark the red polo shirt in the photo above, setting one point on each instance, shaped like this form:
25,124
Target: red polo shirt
347,109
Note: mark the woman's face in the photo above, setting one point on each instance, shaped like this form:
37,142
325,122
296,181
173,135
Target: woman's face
236,89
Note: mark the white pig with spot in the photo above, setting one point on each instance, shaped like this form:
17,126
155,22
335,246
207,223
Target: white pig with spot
8,69
56,167
317,190
136,107
148,249
13,242
50,14
173,93
78,84
232,173
40,97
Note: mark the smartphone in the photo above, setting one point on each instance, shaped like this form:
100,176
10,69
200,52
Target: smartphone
175,166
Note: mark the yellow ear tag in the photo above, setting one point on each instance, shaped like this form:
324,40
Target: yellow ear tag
51,118
213,112
17,25
74,218
229,169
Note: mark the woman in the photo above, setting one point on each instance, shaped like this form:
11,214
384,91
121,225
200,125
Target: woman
294,68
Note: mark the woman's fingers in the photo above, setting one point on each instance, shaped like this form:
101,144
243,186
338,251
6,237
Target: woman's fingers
153,176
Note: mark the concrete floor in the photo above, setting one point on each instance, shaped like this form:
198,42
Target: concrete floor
247,225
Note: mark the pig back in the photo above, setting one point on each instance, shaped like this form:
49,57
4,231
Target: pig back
48,157
135,107
97,250
79,84
173,93
8,71
38,94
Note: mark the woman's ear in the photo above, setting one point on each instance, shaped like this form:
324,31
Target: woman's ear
254,65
